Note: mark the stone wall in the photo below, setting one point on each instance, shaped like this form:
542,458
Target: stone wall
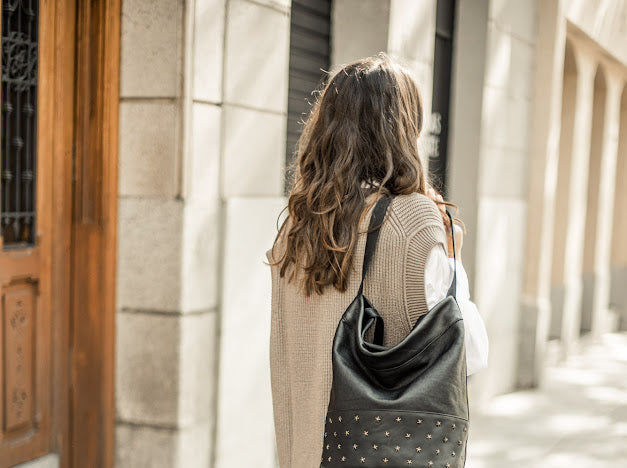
202,144
168,233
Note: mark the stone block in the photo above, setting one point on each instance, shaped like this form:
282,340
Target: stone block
165,368
283,5
506,120
150,60
516,17
148,368
197,368
254,153
199,270
498,58
208,49
618,295
257,56
359,28
494,129
50,460
522,69
202,165
138,446
503,172
149,254
412,29
498,281
148,148
244,392
194,450
557,310
519,123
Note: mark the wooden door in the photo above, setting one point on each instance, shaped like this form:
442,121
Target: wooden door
58,147
35,146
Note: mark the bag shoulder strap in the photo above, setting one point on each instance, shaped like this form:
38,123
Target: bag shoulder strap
376,219
453,288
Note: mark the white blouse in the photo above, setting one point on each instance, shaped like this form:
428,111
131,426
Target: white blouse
438,278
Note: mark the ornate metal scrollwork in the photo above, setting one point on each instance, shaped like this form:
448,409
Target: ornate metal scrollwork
18,117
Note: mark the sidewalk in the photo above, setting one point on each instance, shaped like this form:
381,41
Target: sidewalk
578,419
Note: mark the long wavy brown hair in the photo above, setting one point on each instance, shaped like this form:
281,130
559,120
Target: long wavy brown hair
361,137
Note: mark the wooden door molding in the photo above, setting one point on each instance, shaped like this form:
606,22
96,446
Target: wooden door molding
94,230
57,296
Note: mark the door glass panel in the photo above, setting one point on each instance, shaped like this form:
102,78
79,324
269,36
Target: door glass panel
18,119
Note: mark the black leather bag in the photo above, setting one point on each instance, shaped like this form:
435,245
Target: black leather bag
399,406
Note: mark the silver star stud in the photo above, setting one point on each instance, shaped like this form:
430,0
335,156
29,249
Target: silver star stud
347,433
438,423
387,433
362,459
325,434
329,459
385,460
356,417
375,446
330,421
430,463
335,434
445,439
328,446
408,435
437,452
339,418
355,446
453,426
398,419
365,433
459,442
428,436
448,465
377,419
418,449
452,454
339,446
419,421
409,462
343,459
397,448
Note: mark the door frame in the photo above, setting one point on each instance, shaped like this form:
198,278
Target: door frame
76,193
94,234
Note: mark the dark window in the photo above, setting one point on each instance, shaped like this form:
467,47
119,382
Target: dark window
18,99
438,131
310,51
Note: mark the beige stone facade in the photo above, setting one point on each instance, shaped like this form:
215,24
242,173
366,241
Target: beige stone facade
537,154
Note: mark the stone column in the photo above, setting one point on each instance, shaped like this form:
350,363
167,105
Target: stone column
252,158
619,246
168,228
577,195
544,155
602,217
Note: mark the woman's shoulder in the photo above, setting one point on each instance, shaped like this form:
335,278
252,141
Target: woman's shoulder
415,211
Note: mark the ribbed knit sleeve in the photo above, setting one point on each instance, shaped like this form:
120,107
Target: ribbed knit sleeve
425,229
418,248
280,378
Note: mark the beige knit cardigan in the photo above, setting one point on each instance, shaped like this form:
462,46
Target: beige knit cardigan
302,328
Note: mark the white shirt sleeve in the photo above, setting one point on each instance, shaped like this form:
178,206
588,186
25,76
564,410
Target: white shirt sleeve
438,278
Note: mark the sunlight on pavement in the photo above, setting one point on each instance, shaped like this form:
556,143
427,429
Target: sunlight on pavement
577,419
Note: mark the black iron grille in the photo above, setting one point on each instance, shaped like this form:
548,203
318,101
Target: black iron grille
18,122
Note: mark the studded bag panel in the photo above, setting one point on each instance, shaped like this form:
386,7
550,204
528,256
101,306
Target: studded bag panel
398,406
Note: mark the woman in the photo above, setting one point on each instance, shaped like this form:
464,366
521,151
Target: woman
359,142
